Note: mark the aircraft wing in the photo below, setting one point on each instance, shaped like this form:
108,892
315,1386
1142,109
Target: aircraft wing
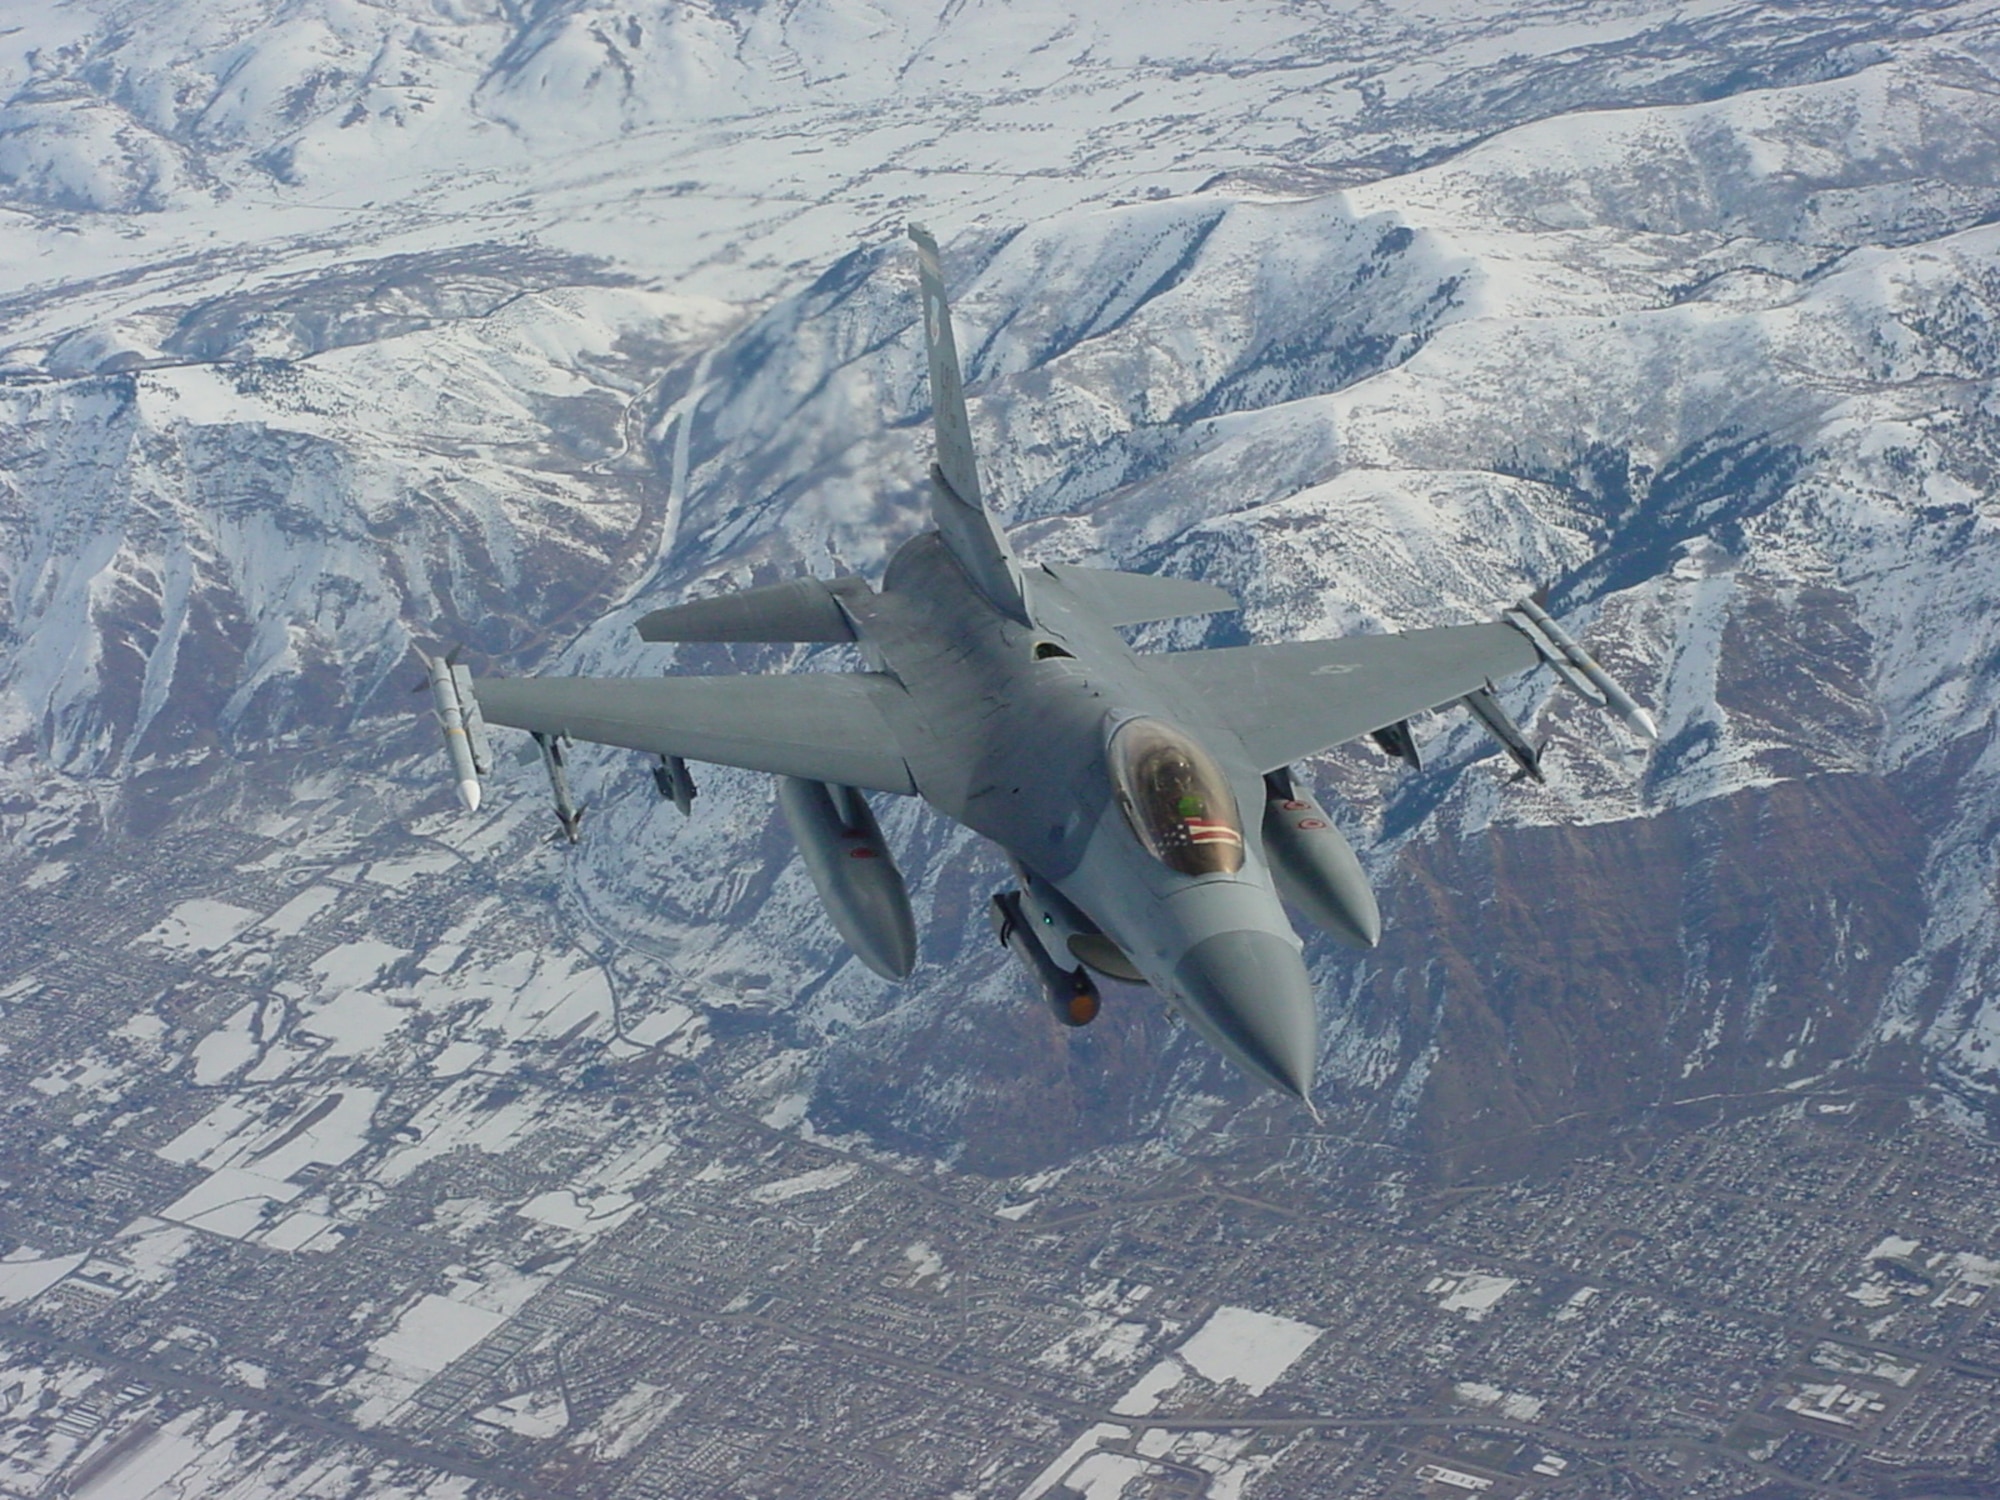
822,727
1290,701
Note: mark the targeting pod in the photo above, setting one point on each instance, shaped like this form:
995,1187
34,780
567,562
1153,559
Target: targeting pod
858,883
1066,934
1499,723
1314,866
457,710
1071,993
1560,650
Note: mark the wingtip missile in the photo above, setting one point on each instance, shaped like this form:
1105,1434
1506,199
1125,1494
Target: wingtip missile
450,687
1569,659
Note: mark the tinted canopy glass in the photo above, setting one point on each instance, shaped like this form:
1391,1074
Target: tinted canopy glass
1177,798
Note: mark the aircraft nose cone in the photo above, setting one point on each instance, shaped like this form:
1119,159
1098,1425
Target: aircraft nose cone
1251,988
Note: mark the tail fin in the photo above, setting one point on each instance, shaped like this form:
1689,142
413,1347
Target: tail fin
979,545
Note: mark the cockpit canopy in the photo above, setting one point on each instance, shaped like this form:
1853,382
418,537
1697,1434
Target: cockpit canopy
1176,798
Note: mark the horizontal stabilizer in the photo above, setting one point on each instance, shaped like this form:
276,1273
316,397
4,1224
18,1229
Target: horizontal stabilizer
824,727
802,610
1139,598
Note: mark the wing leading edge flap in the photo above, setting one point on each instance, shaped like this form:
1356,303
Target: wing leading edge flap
1140,598
1290,701
822,727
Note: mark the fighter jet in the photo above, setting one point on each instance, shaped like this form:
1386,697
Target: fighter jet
1146,800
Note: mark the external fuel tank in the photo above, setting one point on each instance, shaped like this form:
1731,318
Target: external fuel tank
858,883
1315,869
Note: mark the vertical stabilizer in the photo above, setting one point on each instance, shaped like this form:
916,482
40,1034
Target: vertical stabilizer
979,545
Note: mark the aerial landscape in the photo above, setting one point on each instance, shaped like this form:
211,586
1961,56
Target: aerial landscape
361,1144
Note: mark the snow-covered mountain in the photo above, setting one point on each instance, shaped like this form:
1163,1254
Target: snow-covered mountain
332,326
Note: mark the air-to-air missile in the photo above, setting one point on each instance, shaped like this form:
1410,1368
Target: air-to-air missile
464,729
1071,992
1485,707
1570,660
556,761
675,783
1314,865
1579,672
850,867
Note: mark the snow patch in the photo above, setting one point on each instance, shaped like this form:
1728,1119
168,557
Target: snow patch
198,926
1250,1349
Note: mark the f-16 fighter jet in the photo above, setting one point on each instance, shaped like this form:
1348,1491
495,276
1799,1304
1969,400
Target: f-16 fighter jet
1147,802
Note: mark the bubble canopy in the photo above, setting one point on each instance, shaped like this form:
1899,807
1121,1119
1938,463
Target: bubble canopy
1176,798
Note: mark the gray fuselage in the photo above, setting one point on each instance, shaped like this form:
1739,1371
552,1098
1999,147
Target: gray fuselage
1005,728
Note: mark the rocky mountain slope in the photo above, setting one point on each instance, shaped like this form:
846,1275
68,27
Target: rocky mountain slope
335,327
